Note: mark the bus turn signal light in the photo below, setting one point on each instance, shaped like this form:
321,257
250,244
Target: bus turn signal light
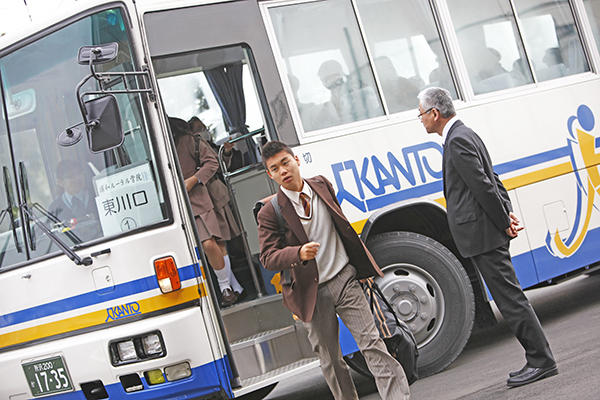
167,274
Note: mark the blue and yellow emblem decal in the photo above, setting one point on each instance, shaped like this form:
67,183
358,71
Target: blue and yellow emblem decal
585,162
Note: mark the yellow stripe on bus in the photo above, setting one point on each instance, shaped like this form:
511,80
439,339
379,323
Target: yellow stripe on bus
538,176
509,184
99,317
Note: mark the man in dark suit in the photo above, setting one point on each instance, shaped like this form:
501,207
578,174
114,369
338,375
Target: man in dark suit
75,208
324,258
482,223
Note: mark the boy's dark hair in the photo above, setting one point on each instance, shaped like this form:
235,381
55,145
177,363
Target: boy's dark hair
272,148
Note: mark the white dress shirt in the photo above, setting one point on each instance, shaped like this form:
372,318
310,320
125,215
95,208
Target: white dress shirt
319,227
447,127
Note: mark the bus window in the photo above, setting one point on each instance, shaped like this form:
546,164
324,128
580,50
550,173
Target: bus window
551,38
326,62
490,44
592,7
406,49
79,195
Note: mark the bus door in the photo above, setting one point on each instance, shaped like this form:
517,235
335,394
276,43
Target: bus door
210,68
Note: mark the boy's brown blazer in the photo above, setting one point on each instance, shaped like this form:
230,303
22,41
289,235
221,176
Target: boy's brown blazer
281,251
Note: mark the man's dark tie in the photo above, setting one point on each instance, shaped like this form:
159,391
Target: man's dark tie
305,203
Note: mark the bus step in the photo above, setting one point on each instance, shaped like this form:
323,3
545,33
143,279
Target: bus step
261,337
270,350
286,371
252,317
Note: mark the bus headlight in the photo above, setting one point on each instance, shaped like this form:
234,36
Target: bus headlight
126,350
152,344
147,346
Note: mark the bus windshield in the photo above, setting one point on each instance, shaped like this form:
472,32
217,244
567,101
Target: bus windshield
81,196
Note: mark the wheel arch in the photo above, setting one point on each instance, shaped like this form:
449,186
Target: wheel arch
428,218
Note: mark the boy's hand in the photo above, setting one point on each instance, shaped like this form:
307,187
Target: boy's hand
309,251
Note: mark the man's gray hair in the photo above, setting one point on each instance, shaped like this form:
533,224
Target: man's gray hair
438,98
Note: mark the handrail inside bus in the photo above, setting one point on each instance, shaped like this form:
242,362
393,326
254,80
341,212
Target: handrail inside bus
227,176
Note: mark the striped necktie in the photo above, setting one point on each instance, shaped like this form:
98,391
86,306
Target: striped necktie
305,203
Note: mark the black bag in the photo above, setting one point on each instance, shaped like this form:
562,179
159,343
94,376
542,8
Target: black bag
397,336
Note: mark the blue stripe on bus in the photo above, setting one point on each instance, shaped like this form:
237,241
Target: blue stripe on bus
532,160
205,380
90,298
435,187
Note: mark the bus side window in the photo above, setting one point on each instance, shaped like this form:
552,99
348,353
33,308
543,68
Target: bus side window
490,44
551,38
326,62
592,8
406,49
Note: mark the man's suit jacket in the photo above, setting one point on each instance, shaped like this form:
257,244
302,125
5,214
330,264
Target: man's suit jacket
478,204
282,251
81,218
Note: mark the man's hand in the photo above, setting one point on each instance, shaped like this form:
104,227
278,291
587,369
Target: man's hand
514,228
190,183
309,251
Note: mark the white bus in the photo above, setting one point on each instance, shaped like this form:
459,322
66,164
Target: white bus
113,300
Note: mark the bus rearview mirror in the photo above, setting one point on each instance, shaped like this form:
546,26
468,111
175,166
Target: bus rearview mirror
98,54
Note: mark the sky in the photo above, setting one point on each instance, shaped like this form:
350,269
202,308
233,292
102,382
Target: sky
14,14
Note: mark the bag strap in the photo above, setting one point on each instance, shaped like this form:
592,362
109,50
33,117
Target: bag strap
375,287
285,274
280,220
197,151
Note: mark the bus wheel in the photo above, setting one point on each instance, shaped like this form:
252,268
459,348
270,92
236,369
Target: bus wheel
430,290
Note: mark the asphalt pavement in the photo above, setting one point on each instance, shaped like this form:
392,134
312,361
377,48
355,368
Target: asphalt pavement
570,315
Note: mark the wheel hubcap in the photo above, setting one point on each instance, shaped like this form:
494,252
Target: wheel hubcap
416,297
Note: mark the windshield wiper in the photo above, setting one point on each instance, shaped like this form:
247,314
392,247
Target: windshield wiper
57,222
58,241
9,204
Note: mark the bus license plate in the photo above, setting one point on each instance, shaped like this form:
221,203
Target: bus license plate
47,376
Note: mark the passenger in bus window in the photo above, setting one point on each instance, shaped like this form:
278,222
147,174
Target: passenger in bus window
400,92
75,208
482,223
555,67
520,70
313,116
324,257
209,199
351,100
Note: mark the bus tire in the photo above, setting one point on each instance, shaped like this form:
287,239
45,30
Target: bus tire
430,290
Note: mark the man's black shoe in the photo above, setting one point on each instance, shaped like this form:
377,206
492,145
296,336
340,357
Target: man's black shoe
530,375
519,372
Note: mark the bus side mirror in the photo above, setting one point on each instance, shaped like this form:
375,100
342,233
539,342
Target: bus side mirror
104,127
101,116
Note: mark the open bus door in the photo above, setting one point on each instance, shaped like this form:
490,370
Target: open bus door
210,67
